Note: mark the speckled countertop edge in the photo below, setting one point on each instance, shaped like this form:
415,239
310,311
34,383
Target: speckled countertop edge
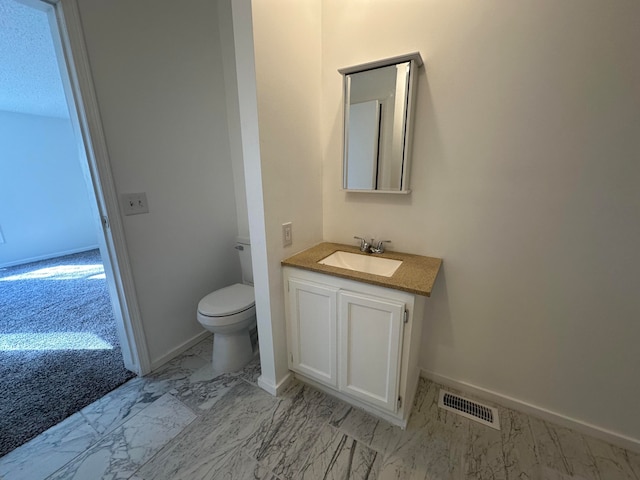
416,275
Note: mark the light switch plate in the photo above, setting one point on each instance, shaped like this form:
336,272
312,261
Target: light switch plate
134,203
287,235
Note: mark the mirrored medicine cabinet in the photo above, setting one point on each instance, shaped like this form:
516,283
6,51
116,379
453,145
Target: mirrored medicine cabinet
378,110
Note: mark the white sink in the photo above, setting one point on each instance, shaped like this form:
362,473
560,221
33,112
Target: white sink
362,263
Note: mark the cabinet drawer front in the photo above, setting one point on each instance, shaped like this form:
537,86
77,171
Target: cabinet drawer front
370,348
312,330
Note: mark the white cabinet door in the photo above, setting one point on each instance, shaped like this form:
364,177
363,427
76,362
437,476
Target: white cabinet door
370,348
312,330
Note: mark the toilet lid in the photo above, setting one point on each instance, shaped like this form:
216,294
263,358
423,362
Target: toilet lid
227,301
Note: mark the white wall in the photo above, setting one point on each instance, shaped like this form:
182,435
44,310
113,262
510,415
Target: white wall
287,64
157,70
525,181
44,203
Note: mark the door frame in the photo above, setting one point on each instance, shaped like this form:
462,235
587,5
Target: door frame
73,61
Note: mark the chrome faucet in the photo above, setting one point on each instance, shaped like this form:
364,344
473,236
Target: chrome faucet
369,247
364,245
379,248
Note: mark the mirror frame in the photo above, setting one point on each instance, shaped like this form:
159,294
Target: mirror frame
415,61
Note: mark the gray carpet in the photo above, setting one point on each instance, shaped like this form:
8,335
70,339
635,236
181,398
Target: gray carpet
59,349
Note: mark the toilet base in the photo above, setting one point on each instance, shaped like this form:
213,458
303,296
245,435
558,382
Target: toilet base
231,352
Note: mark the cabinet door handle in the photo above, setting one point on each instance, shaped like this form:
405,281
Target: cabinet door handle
406,316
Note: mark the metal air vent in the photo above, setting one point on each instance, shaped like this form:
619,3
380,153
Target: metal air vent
470,409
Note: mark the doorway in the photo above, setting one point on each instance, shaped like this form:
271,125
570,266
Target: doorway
70,58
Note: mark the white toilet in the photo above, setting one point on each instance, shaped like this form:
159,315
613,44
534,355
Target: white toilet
230,313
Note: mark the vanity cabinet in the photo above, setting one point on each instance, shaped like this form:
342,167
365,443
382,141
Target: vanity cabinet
312,330
355,340
370,347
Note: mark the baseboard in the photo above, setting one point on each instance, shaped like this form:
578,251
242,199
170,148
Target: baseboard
275,390
614,438
167,357
48,256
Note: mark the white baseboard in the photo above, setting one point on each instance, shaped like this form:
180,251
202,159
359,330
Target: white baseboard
48,256
158,362
273,389
614,438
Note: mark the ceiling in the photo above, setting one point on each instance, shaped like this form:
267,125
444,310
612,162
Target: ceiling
29,76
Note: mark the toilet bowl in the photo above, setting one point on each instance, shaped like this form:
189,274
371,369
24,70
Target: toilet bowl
230,313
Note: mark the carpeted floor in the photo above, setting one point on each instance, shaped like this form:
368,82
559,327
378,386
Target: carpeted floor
59,349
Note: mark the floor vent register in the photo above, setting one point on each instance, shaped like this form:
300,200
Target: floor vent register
470,409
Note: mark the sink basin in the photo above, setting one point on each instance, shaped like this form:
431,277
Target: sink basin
362,263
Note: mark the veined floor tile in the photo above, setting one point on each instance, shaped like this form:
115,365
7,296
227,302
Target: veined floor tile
49,451
631,458
202,349
238,466
121,404
611,462
185,368
201,395
433,445
252,371
374,432
519,456
502,454
563,451
119,454
204,448
336,456
282,441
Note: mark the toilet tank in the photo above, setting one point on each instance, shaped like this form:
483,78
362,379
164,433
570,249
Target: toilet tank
244,251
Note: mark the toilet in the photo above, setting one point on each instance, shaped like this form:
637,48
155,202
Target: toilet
230,313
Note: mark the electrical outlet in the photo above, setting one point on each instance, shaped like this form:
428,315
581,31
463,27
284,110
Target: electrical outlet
134,203
287,237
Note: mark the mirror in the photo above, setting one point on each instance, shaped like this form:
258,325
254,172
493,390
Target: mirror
378,107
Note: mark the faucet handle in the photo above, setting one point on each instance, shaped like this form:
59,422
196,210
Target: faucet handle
364,245
379,248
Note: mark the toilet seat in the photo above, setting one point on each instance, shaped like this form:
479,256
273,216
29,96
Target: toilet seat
228,305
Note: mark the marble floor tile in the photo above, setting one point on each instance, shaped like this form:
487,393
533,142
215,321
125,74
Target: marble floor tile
372,431
519,453
121,404
252,371
336,456
119,454
434,444
202,349
52,449
484,458
562,452
205,447
182,369
201,395
282,441
238,466
610,462
187,422
631,458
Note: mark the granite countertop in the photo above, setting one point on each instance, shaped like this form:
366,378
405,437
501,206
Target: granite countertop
416,275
